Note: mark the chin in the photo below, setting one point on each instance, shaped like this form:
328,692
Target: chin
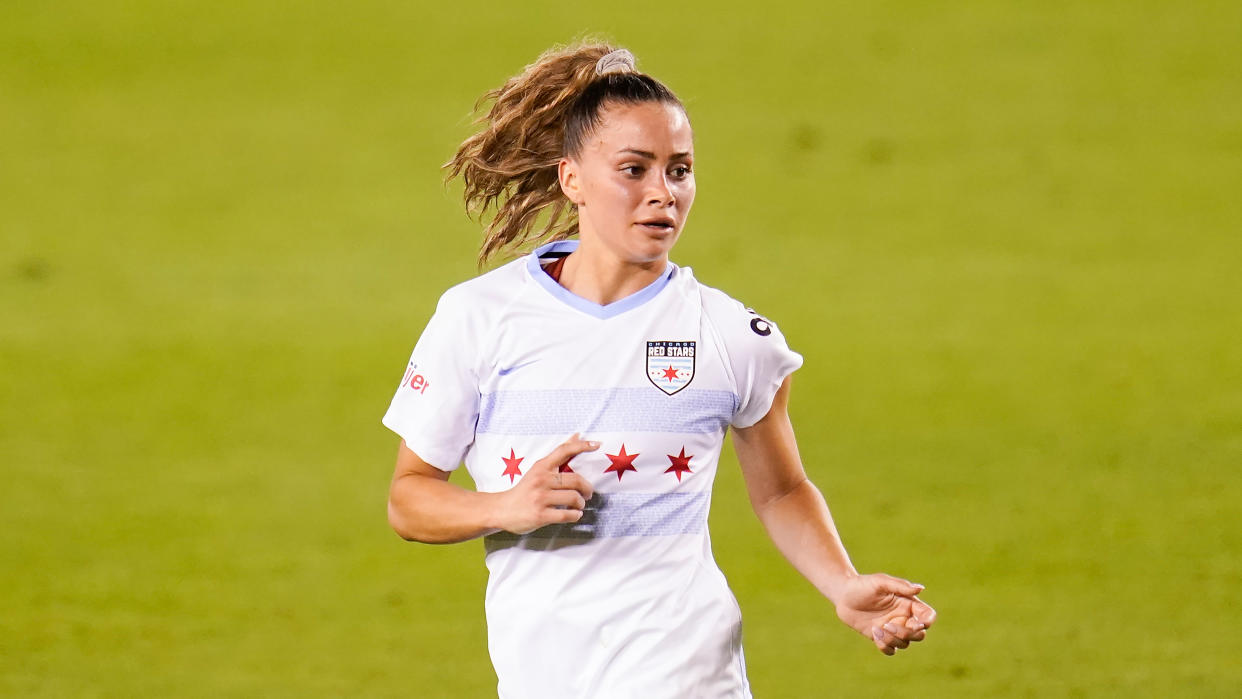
653,249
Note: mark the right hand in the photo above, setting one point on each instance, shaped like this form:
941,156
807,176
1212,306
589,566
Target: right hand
545,495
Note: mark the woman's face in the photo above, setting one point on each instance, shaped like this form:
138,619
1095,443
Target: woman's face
633,182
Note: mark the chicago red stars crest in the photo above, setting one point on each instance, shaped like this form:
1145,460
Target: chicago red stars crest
670,364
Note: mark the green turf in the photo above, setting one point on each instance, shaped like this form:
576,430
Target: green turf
1003,235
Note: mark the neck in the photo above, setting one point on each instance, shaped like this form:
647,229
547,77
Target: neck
595,274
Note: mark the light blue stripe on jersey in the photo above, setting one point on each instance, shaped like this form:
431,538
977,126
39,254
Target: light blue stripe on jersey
560,412
615,308
609,515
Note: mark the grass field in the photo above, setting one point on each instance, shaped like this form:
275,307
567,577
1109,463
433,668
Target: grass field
1005,237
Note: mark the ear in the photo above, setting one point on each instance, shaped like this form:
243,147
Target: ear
567,174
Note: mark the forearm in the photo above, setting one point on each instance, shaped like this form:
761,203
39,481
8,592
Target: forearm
801,526
434,511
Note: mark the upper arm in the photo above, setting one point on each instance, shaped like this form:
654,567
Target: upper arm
768,452
411,470
413,480
435,407
411,464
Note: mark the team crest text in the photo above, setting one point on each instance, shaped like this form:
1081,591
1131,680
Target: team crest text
670,364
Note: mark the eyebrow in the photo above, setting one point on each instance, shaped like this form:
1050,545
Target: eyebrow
648,154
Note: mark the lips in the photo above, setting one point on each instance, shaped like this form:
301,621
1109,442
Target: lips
663,223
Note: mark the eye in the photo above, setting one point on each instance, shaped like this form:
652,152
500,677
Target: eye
636,170
681,171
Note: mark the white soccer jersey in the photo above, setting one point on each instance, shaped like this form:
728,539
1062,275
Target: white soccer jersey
627,602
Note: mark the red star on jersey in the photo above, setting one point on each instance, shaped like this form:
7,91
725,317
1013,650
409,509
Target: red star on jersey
621,463
681,464
670,373
511,465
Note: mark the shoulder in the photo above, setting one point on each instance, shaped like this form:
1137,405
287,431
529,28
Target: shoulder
720,305
471,310
732,318
487,291
757,358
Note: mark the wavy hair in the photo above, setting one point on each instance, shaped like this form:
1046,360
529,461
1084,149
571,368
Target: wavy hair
547,111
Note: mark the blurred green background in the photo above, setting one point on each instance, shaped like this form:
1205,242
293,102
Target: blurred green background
1003,235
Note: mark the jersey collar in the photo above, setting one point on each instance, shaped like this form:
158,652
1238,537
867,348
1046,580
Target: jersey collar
560,248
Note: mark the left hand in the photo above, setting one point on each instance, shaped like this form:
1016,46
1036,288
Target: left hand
886,610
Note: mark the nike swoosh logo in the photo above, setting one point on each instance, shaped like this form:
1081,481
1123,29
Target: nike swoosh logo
515,367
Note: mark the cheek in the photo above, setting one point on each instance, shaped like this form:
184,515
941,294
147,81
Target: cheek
619,194
686,192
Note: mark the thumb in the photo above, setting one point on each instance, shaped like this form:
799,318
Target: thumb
897,586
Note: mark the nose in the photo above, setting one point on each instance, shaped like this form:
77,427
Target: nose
661,194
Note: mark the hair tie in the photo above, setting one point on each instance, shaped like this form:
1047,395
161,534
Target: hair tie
619,61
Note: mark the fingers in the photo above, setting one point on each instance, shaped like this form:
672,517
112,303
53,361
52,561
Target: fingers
897,586
891,637
891,613
916,629
897,633
566,451
546,494
923,612
558,507
881,639
573,482
567,516
565,498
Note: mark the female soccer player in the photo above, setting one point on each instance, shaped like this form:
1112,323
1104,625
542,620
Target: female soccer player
588,386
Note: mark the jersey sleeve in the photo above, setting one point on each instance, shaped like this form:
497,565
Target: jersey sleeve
436,405
758,356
